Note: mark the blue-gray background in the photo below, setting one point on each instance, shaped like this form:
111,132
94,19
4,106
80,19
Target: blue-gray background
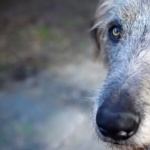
47,75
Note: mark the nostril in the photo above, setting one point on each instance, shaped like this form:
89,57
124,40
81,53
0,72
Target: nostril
118,135
103,131
119,126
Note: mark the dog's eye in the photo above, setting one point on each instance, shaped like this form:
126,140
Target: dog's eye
115,33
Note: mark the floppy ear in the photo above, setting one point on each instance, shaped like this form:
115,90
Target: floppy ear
99,25
94,34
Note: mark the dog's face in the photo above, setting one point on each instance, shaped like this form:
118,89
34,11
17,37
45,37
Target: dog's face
121,30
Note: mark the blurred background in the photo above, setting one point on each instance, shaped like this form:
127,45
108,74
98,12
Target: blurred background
47,75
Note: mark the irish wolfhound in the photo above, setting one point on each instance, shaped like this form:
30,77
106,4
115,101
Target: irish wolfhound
122,106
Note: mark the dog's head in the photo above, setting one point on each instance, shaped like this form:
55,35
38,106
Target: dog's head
121,30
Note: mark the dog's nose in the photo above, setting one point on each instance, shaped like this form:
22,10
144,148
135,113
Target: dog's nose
117,125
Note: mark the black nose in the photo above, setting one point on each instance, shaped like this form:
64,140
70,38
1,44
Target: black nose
117,125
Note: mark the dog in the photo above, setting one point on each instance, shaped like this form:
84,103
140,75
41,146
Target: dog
121,29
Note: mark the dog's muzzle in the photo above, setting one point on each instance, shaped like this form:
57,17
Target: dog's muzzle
118,120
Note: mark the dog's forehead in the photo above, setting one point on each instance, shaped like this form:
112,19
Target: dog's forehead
133,10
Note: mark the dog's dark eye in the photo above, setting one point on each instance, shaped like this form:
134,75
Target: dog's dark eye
115,33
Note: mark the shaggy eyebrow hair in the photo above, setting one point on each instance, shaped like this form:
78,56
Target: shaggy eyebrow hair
101,13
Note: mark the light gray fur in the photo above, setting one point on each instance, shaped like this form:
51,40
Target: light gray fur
128,61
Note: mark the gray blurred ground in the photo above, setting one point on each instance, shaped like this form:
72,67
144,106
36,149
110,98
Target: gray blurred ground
49,109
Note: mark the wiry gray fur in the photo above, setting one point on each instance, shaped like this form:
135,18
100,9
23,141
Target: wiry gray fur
128,61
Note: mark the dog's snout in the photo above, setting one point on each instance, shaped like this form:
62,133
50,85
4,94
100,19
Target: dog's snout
117,125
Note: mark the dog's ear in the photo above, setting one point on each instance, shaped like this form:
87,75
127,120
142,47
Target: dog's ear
99,25
94,35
